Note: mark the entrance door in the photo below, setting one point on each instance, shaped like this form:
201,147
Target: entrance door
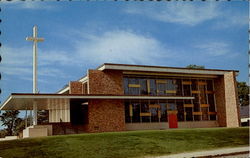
78,112
172,115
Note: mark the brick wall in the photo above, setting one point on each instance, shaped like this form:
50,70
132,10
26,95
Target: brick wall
75,87
109,82
220,101
106,115
231,97
227,100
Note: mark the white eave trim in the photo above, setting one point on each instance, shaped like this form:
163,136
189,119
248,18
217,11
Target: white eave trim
83,80
93,97
63,90
6,101
159,69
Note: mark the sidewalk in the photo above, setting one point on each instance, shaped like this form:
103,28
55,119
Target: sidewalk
210,153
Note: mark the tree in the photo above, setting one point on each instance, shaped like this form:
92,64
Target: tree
191,66
11,120
2,133
243,91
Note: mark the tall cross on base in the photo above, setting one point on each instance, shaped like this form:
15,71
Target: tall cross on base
35,39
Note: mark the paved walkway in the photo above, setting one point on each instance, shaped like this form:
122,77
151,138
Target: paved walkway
211,153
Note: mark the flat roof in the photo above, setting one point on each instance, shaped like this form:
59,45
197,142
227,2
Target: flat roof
149,68
25,101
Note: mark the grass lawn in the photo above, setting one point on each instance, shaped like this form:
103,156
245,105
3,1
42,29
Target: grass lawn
126,144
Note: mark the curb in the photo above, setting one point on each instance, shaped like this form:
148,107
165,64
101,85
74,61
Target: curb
210,153
228,154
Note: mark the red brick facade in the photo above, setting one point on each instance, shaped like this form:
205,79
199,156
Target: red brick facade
106,115
231,97
220,101
107,82
227,100
75,87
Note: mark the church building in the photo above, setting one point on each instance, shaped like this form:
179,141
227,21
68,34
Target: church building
119,97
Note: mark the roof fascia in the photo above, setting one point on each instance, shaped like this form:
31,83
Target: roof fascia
162,69
6,101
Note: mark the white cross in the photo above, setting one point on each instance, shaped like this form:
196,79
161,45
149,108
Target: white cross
35,39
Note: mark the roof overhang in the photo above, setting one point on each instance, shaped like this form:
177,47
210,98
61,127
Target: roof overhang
20,101
66,88
161,69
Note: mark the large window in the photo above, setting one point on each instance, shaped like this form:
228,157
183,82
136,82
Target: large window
202,107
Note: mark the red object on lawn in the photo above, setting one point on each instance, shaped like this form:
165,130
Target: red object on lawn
172,120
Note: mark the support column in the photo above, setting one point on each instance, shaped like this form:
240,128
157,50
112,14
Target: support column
35,113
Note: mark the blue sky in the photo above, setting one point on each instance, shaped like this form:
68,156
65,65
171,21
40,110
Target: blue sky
83,35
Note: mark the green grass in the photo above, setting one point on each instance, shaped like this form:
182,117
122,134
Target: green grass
126,144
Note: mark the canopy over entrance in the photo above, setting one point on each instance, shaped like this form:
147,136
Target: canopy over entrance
25,101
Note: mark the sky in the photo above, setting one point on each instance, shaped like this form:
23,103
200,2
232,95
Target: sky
83,35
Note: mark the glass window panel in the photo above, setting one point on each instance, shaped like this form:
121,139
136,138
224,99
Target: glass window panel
133,81
186,90
164,116
194,84
127,112
152,87
189,114
211,102
143,87
155,111
171,84
136,112
125,85
171,105
180,108
203,99
204,113
209,85
212,117
145,109
134,91
196,98
196,107
161,86
178,87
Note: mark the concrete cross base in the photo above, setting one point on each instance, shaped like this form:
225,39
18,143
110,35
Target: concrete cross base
9,138
37,131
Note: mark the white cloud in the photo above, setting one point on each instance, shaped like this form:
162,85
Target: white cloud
190,14
215,48
18,62
231,20
119,46
33,5
55,57
177,12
